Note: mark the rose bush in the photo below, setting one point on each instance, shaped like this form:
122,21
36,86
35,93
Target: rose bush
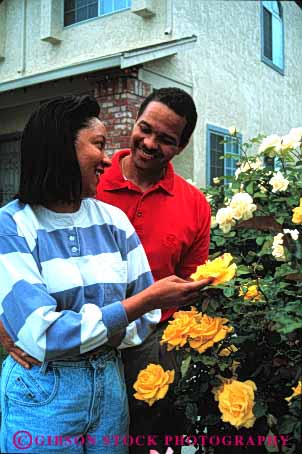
248,381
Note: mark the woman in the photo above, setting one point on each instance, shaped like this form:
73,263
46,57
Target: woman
74,282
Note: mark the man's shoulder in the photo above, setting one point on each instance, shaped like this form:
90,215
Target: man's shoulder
188,188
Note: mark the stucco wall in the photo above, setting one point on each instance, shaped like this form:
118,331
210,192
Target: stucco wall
80,42
231,86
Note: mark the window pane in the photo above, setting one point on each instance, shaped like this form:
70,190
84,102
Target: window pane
82,3
68,5
92,10
82,14
216,151
69,18
267,34
230,163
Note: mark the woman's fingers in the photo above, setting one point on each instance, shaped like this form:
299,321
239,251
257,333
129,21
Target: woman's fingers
23,358
197,285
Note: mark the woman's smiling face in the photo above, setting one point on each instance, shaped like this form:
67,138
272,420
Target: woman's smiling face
90,149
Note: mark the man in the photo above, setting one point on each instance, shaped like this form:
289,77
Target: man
172,219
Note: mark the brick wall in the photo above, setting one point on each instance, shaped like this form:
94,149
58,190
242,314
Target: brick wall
119,98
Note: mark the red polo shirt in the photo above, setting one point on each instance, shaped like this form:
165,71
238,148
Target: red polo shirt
172,219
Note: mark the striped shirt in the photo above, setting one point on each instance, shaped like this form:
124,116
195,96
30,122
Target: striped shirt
63,277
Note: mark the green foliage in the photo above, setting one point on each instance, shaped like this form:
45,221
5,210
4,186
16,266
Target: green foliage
267,329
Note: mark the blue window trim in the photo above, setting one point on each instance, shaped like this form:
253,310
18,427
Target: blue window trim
99,16
216,130
264,59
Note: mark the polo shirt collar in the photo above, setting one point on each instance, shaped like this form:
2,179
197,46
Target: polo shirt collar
113,178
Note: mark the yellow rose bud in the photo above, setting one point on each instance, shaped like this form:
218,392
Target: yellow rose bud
236,402
296,391
297,216
228,350
206,331
219,269
178,330
232,131
252,293
152,383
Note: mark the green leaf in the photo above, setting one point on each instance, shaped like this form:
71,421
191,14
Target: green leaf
228,291
287,424
192,411
242,269
185,366
260,240
269,447
219,240
259,409
250,188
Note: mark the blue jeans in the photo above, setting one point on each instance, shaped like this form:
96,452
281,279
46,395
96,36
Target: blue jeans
65,407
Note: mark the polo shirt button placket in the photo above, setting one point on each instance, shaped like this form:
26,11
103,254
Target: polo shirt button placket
74,246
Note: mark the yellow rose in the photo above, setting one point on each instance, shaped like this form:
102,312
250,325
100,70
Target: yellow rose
219,269
252,293
177,331
152,383
236,402
297,216
296,391
206,331
228,350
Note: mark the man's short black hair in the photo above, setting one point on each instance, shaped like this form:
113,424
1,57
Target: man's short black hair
180,102
49,167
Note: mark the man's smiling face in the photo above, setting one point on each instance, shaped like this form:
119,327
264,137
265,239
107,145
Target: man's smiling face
156,137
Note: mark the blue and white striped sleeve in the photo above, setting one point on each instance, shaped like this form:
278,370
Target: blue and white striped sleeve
139,278
29,313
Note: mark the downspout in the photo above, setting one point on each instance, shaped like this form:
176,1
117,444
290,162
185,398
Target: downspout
21,69
169,17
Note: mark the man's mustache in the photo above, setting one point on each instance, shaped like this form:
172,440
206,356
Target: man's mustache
152,151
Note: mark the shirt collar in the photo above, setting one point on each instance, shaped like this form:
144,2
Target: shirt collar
113,178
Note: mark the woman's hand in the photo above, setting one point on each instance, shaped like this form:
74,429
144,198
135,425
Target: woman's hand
174,291
19,355
166,293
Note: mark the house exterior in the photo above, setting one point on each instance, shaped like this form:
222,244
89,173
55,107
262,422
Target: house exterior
240,60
